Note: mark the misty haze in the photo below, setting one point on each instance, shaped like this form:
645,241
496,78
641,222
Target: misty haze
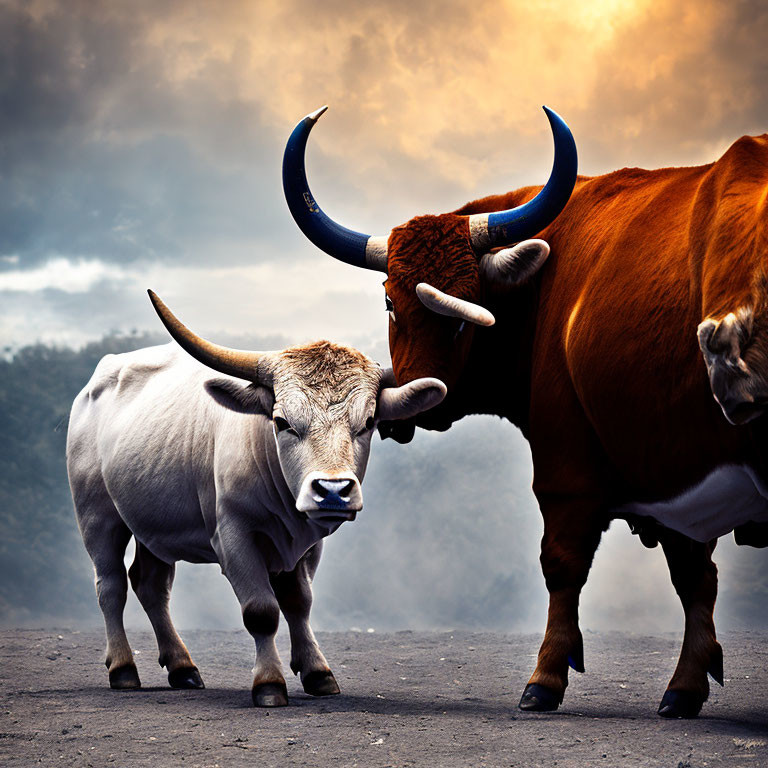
448,537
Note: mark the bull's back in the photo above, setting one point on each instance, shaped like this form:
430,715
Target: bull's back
112,393
134,443
638,259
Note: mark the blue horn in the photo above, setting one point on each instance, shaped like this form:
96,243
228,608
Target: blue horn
489,230
344,244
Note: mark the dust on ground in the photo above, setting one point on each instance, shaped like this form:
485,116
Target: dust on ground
408,699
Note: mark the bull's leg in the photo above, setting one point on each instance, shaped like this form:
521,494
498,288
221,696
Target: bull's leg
572,532
152,580
106,537
694,576
242,559
261,615
294,594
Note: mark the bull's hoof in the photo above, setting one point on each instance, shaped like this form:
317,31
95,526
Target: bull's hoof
270,695
320,683
124,678
185,677
685,704
537,698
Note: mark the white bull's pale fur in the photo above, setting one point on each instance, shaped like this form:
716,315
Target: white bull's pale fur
208,468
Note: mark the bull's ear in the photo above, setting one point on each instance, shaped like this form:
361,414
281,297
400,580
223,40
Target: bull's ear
243,398
410,399
513,266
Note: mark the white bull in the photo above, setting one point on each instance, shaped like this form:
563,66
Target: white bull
250,470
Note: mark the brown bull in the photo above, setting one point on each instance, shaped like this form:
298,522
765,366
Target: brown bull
654,298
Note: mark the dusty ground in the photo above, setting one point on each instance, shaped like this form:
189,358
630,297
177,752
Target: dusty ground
408,699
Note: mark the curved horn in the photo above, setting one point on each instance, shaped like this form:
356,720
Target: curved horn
235,362
488,230
513,266
387,378
444,304
397,403
344,244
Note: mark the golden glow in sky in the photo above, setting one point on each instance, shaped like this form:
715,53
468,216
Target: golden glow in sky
456,81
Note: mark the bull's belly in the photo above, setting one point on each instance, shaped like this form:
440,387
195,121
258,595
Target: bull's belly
174,533
192,547
171,532
726,498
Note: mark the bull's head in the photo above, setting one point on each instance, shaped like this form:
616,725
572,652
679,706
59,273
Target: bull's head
325,402
438,268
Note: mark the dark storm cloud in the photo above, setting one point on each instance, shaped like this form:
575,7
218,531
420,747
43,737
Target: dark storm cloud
103,155
155,130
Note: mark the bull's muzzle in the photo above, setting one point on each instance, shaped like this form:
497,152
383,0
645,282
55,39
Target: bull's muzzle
330,498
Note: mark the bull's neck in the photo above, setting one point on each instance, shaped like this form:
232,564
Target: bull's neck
496,377
264,451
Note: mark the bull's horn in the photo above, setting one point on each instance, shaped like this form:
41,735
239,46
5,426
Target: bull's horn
235,362
344,244
489,230
396,403
444,304
513,266
388,378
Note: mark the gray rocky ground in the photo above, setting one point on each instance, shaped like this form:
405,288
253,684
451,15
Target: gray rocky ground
408,699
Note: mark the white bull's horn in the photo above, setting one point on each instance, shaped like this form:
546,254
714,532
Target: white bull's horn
444,304
235,362
344,244
489,230
396,403
388,378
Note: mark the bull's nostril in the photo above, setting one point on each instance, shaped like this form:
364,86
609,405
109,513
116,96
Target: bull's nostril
335,488
319,488
347,489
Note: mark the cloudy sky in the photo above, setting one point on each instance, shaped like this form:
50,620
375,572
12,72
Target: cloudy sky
140,142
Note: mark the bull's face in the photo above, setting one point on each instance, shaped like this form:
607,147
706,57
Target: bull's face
436,284
439,268
435,290
328,401
431,251
324,400
323,418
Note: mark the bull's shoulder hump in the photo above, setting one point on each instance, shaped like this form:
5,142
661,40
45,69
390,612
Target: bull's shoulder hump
748,149
115,372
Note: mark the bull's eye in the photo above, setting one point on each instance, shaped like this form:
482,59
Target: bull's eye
461,327
282,425
390,307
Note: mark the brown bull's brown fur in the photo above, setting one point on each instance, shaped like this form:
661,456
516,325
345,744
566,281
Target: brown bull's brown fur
452,266
597,360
